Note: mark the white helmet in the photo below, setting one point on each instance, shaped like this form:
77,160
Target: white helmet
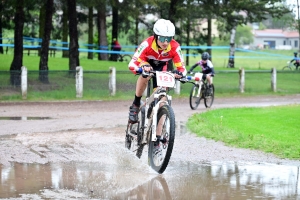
164,28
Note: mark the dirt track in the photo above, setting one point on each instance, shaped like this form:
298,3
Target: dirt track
82,124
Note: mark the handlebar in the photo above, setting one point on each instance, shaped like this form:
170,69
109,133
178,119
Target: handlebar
139,70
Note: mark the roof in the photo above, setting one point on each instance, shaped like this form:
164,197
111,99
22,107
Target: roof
278,33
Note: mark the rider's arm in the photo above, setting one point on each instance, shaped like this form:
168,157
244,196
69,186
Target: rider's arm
193,67
178,59
212,72
138,57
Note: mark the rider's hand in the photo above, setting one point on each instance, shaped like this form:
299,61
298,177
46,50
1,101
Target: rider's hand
145,66
177,74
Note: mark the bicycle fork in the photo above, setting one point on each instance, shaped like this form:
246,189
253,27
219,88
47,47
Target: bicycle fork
150,124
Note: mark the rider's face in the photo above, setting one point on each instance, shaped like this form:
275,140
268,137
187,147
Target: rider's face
163,42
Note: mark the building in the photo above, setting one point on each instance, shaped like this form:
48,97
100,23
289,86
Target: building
276,39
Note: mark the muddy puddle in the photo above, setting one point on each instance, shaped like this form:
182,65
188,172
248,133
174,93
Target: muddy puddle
181,181
94,164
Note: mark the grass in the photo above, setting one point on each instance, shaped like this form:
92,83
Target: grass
269,129
62,87
248,59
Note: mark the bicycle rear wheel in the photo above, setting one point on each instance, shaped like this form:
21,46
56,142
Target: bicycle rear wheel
126,58
158,158
209,96
194,100
133,135
286,68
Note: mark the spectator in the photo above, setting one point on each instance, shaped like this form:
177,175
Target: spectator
115,46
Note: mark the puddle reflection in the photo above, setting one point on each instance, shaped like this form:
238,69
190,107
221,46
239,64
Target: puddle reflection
181,181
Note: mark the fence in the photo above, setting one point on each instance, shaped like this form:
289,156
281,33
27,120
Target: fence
109,84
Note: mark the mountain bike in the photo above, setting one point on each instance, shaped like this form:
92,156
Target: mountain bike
124,57
291,65
200,90
156,117
120,57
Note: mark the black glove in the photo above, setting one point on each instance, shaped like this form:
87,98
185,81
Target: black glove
145,74
177,72
183,80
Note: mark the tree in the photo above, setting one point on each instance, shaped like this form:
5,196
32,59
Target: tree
65,30
236,12
43,67
73,33
17,62
90,32
102,37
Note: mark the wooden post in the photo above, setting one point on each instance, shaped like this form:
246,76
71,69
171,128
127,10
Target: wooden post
242,80
79,82
24,82
112,81
273,79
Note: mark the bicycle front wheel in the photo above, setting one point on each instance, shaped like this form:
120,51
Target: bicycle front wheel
194,100
160,154
209,96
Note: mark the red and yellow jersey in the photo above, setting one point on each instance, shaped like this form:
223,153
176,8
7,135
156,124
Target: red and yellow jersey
148,51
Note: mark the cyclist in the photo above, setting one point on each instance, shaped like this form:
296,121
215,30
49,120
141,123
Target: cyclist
296,59
154,53
207,68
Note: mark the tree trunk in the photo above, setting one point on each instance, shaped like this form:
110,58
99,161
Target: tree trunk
209,39
43,76
137,31
232,48
1,35
73,33
42,18
15,67
115,20
90,33
102,37
65,53
188,40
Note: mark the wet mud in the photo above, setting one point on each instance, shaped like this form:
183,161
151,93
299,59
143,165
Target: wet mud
79,153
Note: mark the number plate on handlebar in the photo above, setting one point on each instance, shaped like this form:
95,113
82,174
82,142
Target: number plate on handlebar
165,79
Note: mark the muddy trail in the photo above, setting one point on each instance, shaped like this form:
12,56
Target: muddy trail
66,150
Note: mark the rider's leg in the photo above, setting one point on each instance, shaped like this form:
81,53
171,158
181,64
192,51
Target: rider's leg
209,79
141,85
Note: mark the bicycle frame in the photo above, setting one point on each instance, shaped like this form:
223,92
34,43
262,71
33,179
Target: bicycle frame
198,80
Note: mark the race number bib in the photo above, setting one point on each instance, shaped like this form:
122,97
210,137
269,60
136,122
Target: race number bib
165,79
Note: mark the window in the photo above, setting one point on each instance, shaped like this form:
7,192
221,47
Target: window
296,43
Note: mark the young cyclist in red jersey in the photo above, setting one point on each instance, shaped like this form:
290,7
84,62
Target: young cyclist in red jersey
154,53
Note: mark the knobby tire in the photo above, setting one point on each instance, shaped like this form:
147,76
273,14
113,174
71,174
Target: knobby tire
160,163
194,100
209,98
286,68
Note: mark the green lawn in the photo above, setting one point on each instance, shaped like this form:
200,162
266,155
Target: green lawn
272,129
